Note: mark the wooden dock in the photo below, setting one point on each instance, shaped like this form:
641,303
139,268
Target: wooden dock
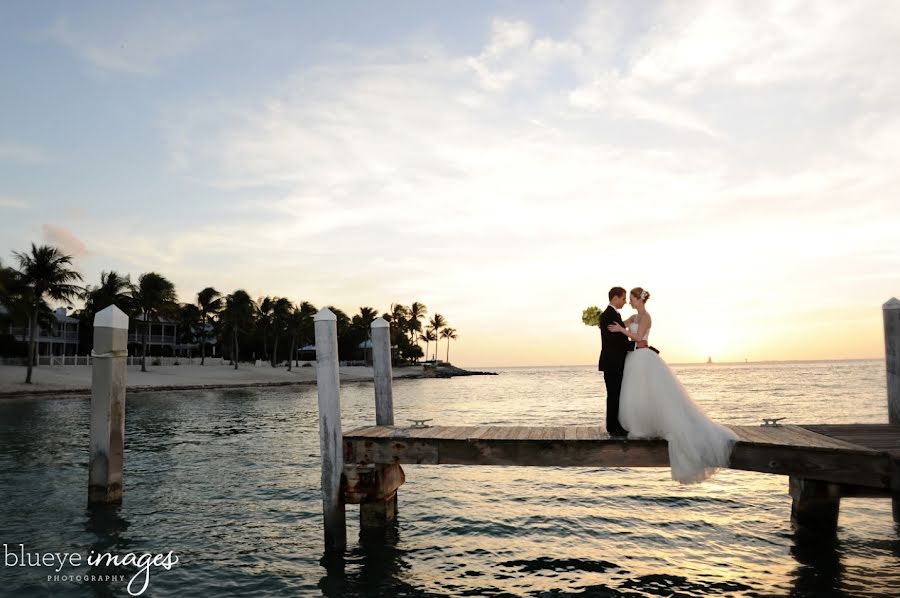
858,455
823,462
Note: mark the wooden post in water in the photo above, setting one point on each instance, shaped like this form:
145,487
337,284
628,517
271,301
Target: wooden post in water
891,312
381,356
331,442
380,508
108,380
815,505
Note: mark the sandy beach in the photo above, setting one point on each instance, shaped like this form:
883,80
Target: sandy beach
76,379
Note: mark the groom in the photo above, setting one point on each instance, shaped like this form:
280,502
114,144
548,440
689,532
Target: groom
612,359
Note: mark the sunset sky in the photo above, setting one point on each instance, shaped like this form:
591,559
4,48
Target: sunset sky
504,163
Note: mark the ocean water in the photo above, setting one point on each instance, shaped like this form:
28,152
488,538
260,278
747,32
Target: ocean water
228,481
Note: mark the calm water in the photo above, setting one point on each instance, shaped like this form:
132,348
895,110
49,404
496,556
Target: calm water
229,481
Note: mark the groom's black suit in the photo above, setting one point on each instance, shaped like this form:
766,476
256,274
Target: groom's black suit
612,363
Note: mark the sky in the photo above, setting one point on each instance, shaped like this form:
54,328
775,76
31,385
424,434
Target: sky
504,163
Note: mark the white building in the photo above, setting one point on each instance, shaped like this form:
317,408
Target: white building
61,338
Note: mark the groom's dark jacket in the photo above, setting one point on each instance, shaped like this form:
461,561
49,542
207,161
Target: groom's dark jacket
615,344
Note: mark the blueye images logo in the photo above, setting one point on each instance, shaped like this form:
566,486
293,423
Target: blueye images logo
58,560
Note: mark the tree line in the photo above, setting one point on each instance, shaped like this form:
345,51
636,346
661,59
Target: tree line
272,327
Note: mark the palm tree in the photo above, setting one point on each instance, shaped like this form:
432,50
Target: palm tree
416,315
154,296
294,325
436,323
11,289
449,334
209,301
345,332
364,320
114,289
428,336
14,297
264,307
281,313
45,273
7,281
300,327
237,316
399,319
190,319
307,332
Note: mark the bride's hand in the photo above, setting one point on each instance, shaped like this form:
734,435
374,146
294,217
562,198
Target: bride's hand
615,327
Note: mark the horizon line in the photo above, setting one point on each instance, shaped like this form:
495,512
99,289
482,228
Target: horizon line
578,365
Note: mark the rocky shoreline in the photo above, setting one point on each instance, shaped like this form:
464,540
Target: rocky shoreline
450,371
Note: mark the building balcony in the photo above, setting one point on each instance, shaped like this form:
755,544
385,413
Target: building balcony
156,339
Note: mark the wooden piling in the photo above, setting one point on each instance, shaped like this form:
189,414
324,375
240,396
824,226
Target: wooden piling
330,436
381,356
815,505
108,381
379,509
891,313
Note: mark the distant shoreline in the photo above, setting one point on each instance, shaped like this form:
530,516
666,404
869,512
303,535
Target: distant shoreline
683,363
75,380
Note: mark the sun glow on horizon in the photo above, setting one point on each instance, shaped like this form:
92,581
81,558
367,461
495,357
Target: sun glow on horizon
505,165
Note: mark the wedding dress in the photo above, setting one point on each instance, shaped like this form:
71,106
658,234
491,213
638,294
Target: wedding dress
654,404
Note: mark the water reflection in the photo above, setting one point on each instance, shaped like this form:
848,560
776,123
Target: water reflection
231,481
107,524
819,569
374,567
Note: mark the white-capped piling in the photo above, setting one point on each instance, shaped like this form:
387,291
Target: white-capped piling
891,313
379,508
108,406
331,443
381,356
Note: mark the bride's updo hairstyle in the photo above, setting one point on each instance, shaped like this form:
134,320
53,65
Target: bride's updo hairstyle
640,294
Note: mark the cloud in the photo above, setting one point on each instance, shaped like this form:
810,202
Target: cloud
335,145
21,153
13,203
513,55
620,98
696,44
65,240
140,45
662,148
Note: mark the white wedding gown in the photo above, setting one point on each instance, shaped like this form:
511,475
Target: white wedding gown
654,404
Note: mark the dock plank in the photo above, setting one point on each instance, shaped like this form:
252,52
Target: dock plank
479,432
361,431
862,455
533,433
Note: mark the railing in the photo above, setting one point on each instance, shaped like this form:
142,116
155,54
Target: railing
62,360
152,338
44,335
154,361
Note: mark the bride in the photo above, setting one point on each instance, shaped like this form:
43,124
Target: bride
654,404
